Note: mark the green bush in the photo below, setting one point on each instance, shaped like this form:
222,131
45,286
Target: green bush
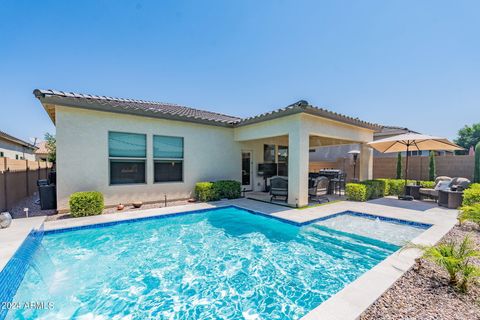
356,192
397,186
431,167
87,203
375,188
470,213
471,195
229,189
399,166
212,191
427,184
204,191
386,191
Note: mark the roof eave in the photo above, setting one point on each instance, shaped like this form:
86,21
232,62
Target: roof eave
311,110
67,102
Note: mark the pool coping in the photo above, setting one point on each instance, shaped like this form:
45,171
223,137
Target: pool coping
353,299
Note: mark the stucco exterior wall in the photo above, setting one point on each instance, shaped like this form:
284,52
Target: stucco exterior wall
12,150
210,153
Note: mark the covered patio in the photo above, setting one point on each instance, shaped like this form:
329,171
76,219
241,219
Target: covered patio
278,144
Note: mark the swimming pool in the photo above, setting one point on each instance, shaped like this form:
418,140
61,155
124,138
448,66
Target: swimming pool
220,263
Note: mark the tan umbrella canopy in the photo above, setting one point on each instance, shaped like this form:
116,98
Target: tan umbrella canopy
412,141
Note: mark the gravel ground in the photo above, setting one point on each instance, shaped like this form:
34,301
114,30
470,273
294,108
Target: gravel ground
424,293
34,209
127,209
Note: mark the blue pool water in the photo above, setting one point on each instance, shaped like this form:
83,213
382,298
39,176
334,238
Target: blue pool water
220,264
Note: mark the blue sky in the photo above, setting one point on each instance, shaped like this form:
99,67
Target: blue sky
405,63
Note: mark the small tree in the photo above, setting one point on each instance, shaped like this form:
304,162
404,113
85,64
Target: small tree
51,145
399,166
431,167
468,136
476,173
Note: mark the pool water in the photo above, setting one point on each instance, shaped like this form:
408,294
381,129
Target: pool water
368,226
221,264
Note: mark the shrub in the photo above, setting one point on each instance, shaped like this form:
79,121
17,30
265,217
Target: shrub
431,167
229,189
356,192
456,259
399,165
470,213
375,188
386,191
427,184
471,195
397,187
87,203
476,172
204,191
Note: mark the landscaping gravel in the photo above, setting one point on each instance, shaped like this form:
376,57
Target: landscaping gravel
424,293
126,209
33,208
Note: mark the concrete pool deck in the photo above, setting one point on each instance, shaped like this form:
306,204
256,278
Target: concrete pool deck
351,301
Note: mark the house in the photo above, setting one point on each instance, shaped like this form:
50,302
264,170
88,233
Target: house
41,154
143,150
15,148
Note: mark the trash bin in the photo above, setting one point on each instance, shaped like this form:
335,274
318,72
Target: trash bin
52,177
48,197
42,182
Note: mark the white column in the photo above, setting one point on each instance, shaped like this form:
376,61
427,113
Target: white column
366,162
298,158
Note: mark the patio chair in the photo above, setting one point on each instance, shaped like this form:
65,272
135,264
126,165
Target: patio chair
445,183
319,190
440,183
278,187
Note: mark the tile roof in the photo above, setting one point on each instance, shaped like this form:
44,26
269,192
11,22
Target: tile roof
182,113
151,108
42,148
303,106
6,136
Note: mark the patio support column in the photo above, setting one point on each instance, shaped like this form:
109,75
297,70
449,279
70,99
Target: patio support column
298,157
366,162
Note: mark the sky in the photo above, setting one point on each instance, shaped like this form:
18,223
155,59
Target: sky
413,64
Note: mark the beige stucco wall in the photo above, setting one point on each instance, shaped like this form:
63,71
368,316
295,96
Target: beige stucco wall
298,129
210,153
12,150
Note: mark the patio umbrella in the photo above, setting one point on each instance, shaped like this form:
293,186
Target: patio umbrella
412,141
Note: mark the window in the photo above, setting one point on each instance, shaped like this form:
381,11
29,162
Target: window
167,158
1,154
16,157
127,156
269,153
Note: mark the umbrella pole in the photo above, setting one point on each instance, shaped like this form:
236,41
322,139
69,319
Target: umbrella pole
405,197
406,168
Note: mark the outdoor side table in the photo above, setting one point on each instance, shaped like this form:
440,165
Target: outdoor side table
450,199
413,190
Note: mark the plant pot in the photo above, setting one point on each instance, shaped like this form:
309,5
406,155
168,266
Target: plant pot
120,207
137,204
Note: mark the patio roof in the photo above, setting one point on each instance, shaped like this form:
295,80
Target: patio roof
50,98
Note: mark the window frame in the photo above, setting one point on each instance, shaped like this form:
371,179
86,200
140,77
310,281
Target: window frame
126,159
182,159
